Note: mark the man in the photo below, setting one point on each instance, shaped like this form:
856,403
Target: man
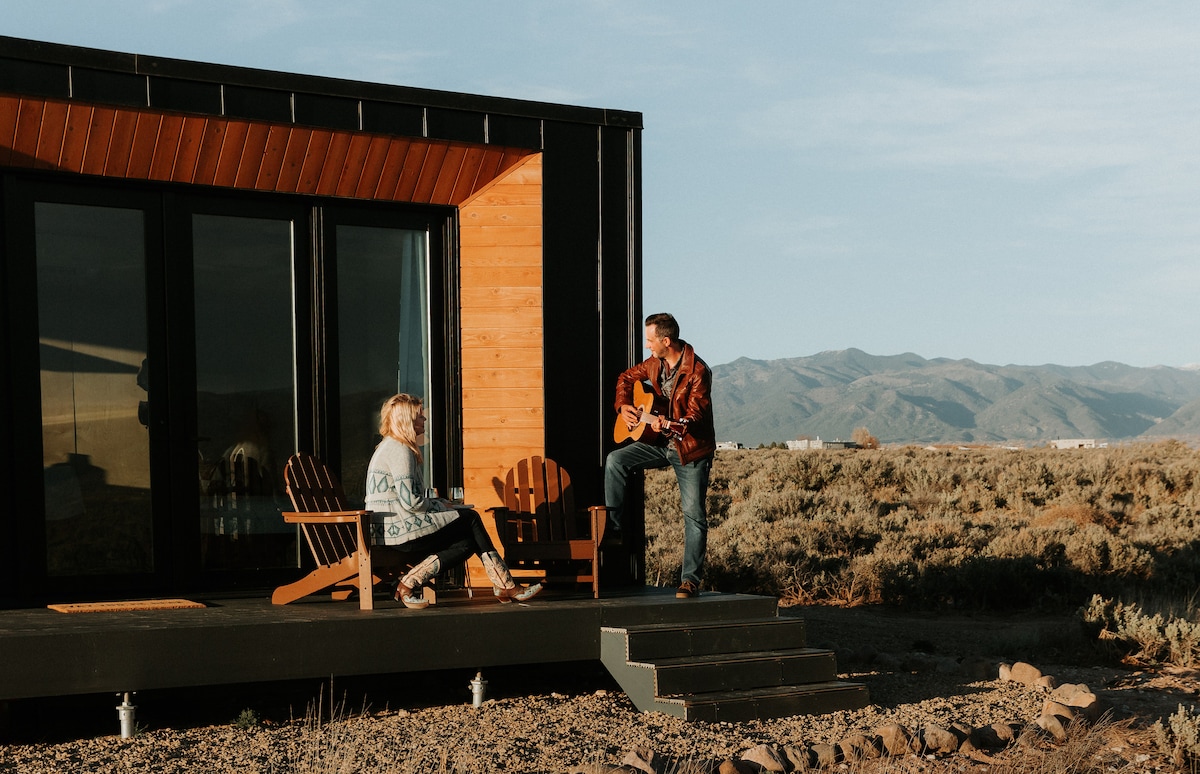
683,438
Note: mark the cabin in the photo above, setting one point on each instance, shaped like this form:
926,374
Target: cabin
207,269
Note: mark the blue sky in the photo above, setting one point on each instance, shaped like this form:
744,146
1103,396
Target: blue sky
1010,182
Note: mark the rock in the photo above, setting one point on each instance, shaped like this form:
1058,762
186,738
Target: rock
858,747
1067,693
895,739
798,758
994,736
978,668
1026,674
1046,682
947,666
887,662
826,754
938,740
961,731
601,768
918,662
767,756
1051,707
1081,699
1005,672
642,759
736,767
1053,726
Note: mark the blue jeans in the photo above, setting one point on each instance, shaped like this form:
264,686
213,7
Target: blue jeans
693,495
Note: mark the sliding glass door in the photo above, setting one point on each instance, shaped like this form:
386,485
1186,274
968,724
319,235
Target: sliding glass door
243,269
175,349
93,365
383,335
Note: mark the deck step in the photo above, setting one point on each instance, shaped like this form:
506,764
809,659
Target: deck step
765,703
740,669
653,641
753,669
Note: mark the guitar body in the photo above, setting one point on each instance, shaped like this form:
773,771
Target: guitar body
649,405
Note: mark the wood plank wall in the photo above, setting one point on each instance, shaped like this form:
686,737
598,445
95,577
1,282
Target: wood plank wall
502,343
144,144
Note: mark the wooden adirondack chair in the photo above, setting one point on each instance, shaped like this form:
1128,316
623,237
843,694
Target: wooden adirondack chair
540,528
337,537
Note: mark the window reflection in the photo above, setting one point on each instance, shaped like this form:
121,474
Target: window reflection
245,388
383,336
92,336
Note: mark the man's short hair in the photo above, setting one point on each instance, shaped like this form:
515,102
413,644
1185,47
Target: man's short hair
664,325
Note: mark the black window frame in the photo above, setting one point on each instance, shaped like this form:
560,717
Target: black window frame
171,334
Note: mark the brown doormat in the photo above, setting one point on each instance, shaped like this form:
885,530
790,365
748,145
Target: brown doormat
126,605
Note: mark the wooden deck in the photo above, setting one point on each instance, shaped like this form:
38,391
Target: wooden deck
46,653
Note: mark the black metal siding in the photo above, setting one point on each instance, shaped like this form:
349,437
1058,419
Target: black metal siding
571,237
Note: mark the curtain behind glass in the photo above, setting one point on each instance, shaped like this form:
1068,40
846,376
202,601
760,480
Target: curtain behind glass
383,336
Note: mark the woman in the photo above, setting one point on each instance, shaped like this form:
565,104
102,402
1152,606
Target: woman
403,516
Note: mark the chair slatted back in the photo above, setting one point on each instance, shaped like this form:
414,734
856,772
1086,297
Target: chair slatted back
537,492
313,488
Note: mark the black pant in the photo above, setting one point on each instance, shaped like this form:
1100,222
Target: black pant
454,543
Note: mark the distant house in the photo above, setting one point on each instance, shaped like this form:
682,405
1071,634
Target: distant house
1073,443
808,444
729,445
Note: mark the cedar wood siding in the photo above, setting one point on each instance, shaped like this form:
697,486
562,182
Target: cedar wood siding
503,394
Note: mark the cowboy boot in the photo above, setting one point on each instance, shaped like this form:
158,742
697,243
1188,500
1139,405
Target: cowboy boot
417,577
503,585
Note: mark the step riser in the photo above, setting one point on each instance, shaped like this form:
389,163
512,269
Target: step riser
701,678
820,703
707,641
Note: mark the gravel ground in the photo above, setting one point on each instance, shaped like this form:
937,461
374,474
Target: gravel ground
919,670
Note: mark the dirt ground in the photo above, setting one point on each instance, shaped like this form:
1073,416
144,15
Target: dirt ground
920,668
1057,644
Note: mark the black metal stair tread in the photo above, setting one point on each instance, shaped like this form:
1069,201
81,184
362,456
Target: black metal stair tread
691,626
746,694
730,658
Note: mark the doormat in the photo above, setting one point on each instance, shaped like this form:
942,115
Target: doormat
126,605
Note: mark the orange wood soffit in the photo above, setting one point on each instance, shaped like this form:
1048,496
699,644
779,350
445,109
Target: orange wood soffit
234,153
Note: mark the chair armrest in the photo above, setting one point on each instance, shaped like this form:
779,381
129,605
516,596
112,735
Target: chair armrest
599,517
323,517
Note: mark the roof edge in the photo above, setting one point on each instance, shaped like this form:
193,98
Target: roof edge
146,65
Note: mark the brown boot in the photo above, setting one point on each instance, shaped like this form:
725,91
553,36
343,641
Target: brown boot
503,585
416,578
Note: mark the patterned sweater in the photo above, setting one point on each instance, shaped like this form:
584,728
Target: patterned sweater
396,497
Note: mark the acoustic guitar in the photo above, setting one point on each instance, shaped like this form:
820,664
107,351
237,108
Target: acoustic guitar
649,406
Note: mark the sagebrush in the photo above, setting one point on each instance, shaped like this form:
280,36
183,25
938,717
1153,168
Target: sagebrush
980,528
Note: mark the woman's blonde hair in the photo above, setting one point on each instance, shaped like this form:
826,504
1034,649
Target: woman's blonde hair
396,420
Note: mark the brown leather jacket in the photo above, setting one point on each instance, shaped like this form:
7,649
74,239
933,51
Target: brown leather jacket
691,400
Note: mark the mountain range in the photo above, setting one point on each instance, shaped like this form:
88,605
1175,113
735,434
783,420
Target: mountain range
909,399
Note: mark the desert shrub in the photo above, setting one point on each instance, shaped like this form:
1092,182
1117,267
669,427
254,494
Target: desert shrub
1079,513
1143,637
979,527
1179,738
247,719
